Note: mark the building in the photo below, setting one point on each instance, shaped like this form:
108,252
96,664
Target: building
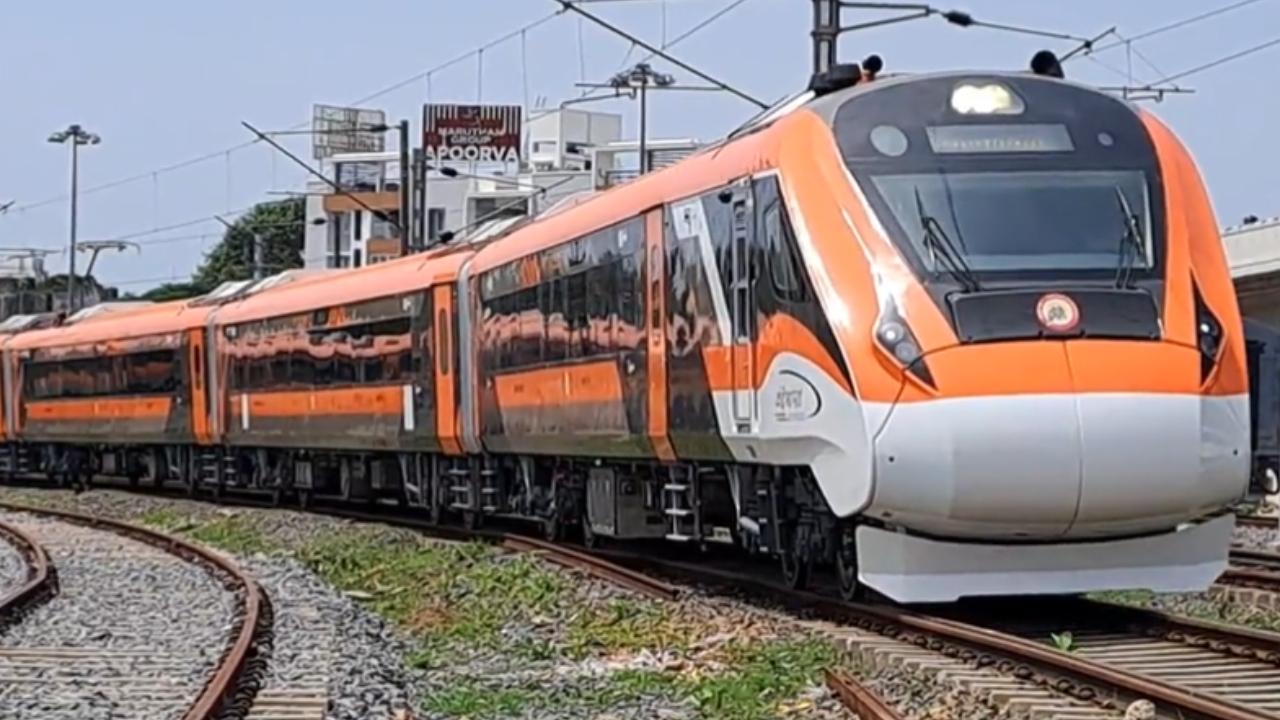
1253,250
567,152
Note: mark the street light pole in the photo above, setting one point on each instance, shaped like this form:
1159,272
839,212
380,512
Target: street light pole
638,79
76,136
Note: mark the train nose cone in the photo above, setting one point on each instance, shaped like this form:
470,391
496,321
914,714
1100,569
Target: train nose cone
990,466
1035,452
1154,459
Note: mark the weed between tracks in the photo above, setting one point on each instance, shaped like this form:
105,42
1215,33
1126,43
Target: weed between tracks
1203,606
487,615
501,635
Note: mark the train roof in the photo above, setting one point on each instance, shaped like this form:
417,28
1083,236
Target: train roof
406,274
709,168
124,324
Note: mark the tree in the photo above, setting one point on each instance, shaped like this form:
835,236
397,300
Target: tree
282,225
174,291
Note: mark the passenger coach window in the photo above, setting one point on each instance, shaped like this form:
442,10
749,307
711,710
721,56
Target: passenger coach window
586,301
784,266
147,373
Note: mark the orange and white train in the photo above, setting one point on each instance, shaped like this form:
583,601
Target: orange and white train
951,334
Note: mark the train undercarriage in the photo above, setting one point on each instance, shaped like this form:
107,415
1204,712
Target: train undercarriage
764,511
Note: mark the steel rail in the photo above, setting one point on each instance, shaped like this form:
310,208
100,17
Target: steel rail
1075,674
594,565
1271,522
220,688
1255,558
928,629
41,581
857,698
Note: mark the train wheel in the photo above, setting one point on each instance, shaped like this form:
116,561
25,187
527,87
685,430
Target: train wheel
847,565
471,519
589,537
795,559
552,530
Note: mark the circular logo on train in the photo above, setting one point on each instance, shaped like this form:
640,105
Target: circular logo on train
1057,312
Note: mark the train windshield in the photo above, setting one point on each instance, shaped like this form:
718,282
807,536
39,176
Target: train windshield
1023,220
1007,179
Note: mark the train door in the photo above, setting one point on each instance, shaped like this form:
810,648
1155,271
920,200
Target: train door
445,368
742,309
199,382
655,292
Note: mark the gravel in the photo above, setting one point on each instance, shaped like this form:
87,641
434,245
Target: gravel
13,566
331,647
921,695
1260,538
328,645
133,633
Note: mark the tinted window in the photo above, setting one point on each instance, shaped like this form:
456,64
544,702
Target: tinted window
1022,220
784,265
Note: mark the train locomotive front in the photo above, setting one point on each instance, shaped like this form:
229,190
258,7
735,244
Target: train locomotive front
1030,291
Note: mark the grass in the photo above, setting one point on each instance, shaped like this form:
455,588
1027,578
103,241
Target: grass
1202,608
458,598
165,519
623,625
475,700
761,677
232,534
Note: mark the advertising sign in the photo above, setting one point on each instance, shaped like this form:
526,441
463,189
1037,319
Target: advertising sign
346,130
471,133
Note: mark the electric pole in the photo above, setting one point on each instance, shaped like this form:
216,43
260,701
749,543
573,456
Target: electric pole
75,136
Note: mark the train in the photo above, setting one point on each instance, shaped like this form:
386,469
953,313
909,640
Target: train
947,334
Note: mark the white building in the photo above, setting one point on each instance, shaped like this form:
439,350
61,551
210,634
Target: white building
567,152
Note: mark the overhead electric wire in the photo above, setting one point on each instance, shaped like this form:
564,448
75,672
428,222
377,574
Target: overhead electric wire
1220,61
694,29
1177,24
249,143
567,5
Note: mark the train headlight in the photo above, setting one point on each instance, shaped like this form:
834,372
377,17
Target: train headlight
989,99
1208,337
895,338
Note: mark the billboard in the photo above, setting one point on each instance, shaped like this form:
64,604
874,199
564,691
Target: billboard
471,133
343,130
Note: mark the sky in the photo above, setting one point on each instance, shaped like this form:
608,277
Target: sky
164,82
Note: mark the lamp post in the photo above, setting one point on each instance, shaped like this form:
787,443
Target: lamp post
642,76
75,136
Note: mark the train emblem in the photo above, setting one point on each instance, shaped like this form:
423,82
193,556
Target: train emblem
1057,312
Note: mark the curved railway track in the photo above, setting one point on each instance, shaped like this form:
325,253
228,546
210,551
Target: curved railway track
39,581
110,667
1188,668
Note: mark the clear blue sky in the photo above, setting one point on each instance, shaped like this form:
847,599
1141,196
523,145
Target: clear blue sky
165,81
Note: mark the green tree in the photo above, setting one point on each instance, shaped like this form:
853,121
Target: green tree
174,291
281,224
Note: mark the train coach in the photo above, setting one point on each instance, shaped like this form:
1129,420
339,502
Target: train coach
951,334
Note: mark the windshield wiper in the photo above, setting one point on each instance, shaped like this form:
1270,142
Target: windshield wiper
1130,242
940,246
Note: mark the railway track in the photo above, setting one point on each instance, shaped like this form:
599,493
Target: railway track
1188,668
1257,569
143,625
857,699
1270,522
38,580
